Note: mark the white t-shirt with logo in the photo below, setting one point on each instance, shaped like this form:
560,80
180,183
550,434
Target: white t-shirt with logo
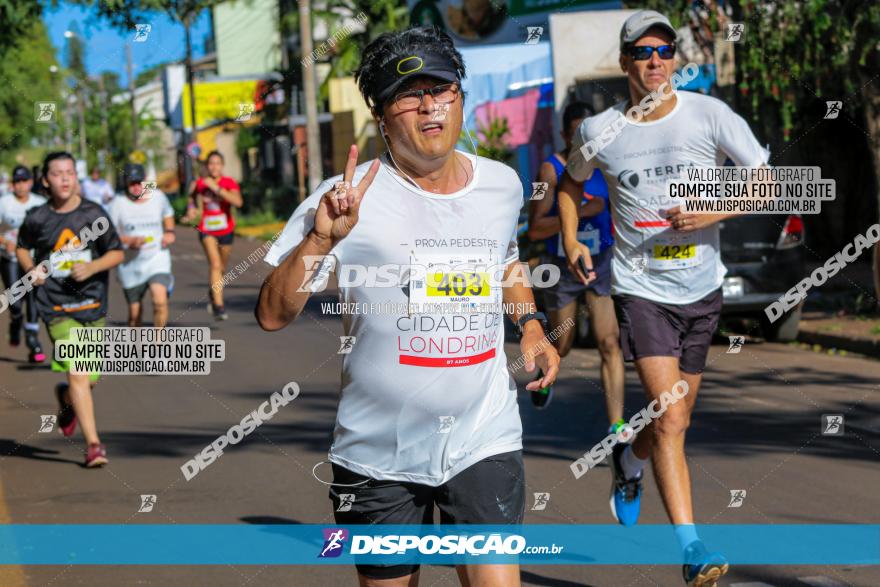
423,396
12,212
651,260
142,219
97,191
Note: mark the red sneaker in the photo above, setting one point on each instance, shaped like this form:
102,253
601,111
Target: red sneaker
66,415
96,456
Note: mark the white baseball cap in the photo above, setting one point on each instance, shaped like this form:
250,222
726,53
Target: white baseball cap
639,23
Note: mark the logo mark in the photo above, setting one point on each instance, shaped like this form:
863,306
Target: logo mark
833,109
628,178
539,190
533,35
638,265
446,423
734,32
420,64
318,269
737,497
334,539
141,32
147,189
346,500
440,111
736,344
541,501
832,424
346,343
47,423
147,503
245,112
44,111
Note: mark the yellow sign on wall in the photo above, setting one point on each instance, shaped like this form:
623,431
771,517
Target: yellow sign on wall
221,100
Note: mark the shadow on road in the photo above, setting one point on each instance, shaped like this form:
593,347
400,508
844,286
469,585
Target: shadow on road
530,578
267,520
10,448
722,423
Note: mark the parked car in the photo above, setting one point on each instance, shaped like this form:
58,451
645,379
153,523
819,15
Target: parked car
764,256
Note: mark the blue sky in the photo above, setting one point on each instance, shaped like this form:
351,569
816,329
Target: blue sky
105,45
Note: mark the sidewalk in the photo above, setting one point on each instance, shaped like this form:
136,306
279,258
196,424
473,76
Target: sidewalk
260,231
857,334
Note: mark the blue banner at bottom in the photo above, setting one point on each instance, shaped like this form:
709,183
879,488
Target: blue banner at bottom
533,544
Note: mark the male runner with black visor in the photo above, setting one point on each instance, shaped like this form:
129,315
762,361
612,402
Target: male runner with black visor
428,413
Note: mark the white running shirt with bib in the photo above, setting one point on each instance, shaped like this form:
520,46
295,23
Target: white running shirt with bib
423,396
651,260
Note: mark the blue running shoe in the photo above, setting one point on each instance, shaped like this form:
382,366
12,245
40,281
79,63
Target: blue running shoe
626,494
703,568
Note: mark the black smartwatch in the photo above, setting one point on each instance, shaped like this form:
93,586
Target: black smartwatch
531,316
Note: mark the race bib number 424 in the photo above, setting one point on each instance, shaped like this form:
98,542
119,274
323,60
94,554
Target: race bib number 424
673,252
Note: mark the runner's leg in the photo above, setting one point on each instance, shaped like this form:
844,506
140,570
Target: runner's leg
607,334
32,328
405,581
381,502
663,440
9,271
491,491
488,575
225,252
159,293
80,396
566,338
134,314
215,269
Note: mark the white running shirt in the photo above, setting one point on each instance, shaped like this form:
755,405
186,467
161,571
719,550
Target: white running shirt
700,131
142,219
426,396
12,213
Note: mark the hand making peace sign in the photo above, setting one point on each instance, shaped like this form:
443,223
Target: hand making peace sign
337,212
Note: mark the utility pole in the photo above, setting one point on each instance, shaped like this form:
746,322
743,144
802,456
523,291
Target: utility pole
134,115
68,124
310,89
102,154
81,107
189,135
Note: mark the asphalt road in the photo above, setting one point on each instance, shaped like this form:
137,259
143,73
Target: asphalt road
756,427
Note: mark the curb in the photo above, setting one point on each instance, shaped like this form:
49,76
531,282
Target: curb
258,230
863,346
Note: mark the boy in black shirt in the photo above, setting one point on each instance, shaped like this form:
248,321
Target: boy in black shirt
74,293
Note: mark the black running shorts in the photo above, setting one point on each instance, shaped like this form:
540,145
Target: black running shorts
651,329
491,491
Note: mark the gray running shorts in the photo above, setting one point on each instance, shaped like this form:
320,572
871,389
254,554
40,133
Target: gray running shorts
652,329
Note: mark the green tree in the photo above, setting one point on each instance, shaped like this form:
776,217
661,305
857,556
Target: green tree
25,79
17,17
796,55
490,140
381,16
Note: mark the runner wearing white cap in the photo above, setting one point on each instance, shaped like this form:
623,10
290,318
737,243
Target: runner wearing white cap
666,270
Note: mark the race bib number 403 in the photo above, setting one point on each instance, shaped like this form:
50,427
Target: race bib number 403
450,281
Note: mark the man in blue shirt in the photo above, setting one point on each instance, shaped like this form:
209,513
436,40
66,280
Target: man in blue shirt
596,232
